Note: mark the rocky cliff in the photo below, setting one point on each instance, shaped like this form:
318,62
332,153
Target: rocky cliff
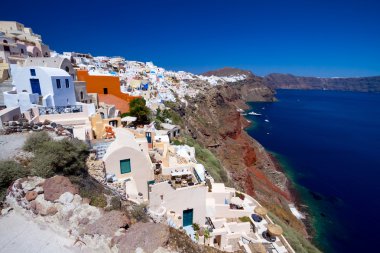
287,81
213,120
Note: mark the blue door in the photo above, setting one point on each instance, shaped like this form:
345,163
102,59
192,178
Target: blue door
35,84
148,137
187,217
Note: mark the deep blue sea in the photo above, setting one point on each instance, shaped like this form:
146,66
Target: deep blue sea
329,144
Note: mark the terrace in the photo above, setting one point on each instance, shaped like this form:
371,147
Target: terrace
241,223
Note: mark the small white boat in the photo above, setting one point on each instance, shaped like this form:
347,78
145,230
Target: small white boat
266,120
254,113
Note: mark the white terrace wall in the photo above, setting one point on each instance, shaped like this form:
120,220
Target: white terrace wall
224,211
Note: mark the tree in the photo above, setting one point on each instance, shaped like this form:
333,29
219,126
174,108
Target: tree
138,109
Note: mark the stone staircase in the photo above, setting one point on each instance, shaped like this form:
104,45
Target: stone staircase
101,148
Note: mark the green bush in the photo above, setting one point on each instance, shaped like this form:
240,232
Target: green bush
205,157
138,212
43,167
169,114
115,203
245,219
91,189
99,201
211,163
67,157
177,142
9,172
36,140
195,226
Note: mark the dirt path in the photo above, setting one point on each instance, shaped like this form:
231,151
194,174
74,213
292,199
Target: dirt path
11,144
19,234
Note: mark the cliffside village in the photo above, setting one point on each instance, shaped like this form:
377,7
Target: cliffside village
84,97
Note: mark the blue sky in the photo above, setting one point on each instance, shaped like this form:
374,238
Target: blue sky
313,38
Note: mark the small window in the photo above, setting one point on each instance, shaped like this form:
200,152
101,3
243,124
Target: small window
58,83
67,83
32,72
125,166
105,91
81,95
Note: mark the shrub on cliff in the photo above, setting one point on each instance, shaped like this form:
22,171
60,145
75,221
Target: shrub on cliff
211,163
298,241
138,212
9,172
65,157
36,140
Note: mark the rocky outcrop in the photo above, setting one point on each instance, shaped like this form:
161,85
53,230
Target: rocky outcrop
158,238
228,71
288,81
108,224
147,244
55,186
92,229
66,213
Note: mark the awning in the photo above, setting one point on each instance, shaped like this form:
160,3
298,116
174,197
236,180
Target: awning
200,170
274,229
257,248
261,210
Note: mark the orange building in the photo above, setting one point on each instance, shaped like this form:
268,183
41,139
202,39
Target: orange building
108,88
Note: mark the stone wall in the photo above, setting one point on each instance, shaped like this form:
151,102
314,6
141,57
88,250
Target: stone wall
23,125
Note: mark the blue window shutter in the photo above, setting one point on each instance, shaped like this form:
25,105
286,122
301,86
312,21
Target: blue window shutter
58,83
125,166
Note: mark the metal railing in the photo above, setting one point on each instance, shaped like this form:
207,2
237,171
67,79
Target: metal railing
60,109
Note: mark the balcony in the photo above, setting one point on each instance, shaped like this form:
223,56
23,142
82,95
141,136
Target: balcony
60,109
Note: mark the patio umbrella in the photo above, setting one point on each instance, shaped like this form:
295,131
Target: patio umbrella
128,119
257,248
261,210
236,201
274,230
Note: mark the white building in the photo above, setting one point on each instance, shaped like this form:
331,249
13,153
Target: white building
48,87
127,159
